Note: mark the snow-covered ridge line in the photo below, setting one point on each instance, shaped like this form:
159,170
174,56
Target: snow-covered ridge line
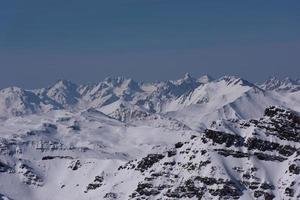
112,95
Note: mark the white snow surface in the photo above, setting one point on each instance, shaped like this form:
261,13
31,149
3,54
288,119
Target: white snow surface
55,141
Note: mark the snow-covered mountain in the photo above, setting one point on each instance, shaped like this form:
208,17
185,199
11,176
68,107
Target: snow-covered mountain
15,101
120,97
286,84
255,159
192,138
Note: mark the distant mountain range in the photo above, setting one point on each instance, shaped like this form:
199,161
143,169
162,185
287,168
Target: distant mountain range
192,138
120,97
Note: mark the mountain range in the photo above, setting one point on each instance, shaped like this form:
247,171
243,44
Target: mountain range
192,138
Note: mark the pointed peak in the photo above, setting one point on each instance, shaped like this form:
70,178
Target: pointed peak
228,78
62,83
13,91
235,80
281,80
63,92
205,79
288,80
118,80
285,84
110,79
187,76
271,79
231,79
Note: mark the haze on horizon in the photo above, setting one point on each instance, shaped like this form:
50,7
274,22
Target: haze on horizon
147,40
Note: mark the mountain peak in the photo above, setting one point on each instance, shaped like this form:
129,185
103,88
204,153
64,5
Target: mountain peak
62,83
15,101
63,92
205,79
187,76
237,81
286,84
12,89
170,140
229,78
115,81
122,83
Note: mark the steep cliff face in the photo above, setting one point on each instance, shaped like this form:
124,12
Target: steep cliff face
256,159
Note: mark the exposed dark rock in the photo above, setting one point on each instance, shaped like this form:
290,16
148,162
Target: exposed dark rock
178,145
98,182
75,126
170,163
110,196
230,152
146,189
188,190
128,165
56,157
289,192
284,124
274,111
190,166
267,157
295,169
172,152
29,175
247,176
262,145
5,168
75,165
169,168
157,174
193,136
49,126
267,196
149,161
203,152
227,191
4,197
224,138
267,186
253,185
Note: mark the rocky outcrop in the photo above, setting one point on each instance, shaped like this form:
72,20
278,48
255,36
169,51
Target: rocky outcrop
5,168
98,182
148,161
224,138
75,165
192,169
28,175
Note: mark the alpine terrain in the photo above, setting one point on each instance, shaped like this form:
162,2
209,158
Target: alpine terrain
192,138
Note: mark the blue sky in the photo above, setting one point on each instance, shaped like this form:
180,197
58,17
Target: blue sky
85,41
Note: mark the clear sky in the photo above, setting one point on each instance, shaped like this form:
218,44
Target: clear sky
84,41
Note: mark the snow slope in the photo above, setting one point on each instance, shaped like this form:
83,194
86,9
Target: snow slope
192,138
